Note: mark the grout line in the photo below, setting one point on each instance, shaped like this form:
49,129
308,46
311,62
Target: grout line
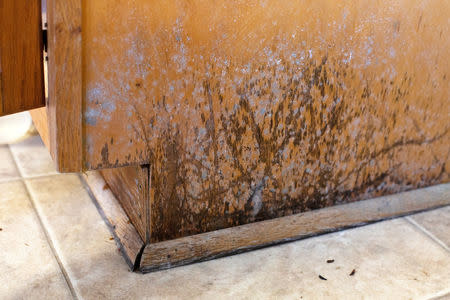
15,160
29,177
427,233
44,229
6,180
52,246
42,176
19,168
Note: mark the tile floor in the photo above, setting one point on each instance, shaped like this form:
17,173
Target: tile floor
55,245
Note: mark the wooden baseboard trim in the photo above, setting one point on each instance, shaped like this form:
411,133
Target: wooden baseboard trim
163,255
123,231
238,239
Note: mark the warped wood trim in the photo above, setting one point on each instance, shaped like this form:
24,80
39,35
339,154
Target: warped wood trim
21,63
125,234
234,240
65,83
163,255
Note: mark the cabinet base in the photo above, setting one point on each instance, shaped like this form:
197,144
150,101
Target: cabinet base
148,257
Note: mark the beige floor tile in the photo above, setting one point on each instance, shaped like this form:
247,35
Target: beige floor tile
437,223
28,268
33,157
392,259
442,297
8,170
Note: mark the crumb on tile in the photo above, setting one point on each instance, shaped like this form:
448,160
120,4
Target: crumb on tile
321,277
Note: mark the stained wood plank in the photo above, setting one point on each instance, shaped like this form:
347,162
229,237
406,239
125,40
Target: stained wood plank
124,232
65,83
21,56
233,240
130,186
40,120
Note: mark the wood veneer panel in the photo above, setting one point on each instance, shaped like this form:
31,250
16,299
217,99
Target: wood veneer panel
65,83
130,185
21,62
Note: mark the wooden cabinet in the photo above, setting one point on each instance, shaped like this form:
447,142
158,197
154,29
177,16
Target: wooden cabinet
21,56
139,82
205,115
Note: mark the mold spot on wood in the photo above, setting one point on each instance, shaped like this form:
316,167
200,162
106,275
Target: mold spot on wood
105,154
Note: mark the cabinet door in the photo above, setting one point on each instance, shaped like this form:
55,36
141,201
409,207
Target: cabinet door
21,56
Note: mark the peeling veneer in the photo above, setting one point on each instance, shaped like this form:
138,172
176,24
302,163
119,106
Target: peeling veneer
252,110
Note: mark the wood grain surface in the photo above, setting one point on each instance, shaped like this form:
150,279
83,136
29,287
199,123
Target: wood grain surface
40,121
173,70
233,240
65,83
21,56
39,115
258,110
130,185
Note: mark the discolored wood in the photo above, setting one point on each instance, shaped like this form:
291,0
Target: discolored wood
130,185
233,240
250,110
162,255
255,111
123,230
21,61
247,112
65,83
166,65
